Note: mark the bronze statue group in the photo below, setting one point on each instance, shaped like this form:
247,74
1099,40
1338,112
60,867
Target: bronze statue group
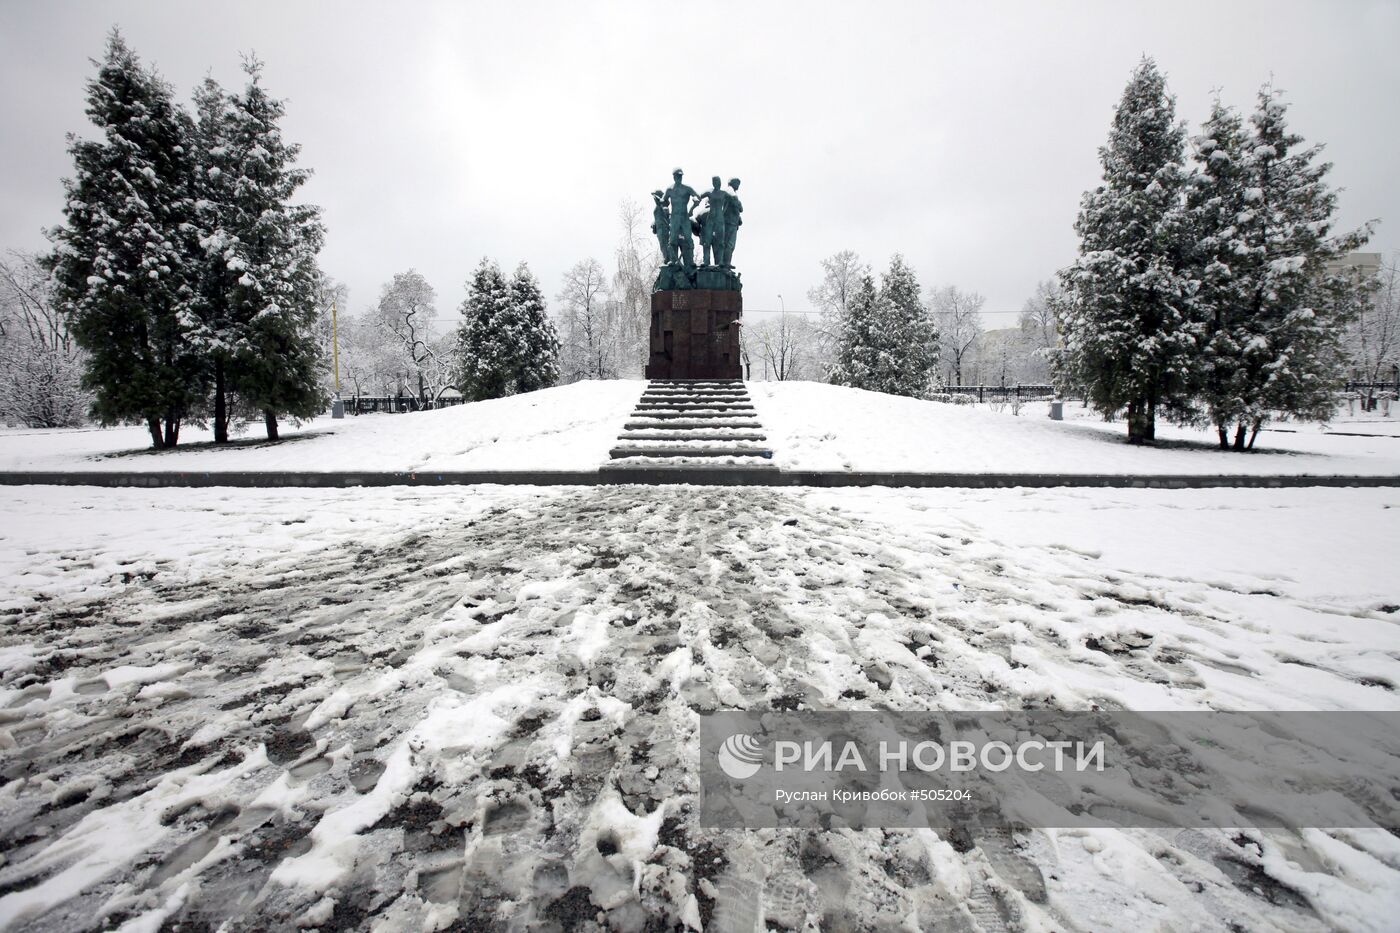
717,226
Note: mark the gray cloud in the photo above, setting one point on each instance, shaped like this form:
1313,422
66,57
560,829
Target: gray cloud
959,134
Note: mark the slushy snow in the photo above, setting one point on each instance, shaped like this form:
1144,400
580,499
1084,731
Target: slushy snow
478,705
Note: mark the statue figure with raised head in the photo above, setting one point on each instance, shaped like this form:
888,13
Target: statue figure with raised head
733,207
681,199
661,226
712,236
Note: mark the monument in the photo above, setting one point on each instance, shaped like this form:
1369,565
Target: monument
696,309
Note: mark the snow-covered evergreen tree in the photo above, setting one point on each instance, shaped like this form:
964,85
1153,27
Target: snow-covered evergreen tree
219,328
485,371
260,282
537,364
862,353
1216,205
1263,215
911,333
886,340
121,261
1131,340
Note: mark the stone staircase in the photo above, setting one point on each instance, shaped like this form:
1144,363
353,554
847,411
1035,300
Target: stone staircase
692,424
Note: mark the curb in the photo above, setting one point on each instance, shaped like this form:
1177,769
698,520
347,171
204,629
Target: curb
697,476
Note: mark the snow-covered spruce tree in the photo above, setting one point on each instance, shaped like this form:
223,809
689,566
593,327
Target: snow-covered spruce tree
886,339
485,373
537,363
1131,340
862,358
217,334
260,284
911,333
121,261
1215,203
1263,217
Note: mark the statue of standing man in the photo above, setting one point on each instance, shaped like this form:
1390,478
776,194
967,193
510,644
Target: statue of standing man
712,237
733,207
678,198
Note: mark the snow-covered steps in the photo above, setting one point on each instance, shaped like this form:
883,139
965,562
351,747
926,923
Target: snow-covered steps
648,448
708,414
674,424
655,434
708,425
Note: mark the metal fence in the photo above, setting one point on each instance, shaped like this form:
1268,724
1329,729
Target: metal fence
1371,388
365,404
1018,392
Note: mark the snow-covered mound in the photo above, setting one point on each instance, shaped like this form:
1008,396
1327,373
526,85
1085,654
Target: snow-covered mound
808,426
564,428
812,426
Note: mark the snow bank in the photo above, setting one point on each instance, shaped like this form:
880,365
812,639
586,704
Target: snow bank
811,426
564,428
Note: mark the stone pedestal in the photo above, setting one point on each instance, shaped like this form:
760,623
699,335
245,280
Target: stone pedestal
695,334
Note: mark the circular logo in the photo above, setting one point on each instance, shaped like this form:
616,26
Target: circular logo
740,756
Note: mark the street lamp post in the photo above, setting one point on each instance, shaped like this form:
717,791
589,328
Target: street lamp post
338,405
784,341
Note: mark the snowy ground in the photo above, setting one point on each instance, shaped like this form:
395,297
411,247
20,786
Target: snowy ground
821,427
478,705
809,427
565,428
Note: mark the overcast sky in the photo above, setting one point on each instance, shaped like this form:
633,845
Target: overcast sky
959,134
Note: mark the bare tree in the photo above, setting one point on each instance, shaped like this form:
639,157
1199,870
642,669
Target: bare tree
371,357
406,310
41,365
842,274
1037,323
631,289
1374,336
590,335
785,346
959,316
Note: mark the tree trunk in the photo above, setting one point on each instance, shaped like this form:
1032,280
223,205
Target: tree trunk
1254,431
270,419
1224,433
172,430
1239,436
220,405
1142,422
153,425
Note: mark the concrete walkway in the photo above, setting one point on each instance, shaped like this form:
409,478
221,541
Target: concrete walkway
667,476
